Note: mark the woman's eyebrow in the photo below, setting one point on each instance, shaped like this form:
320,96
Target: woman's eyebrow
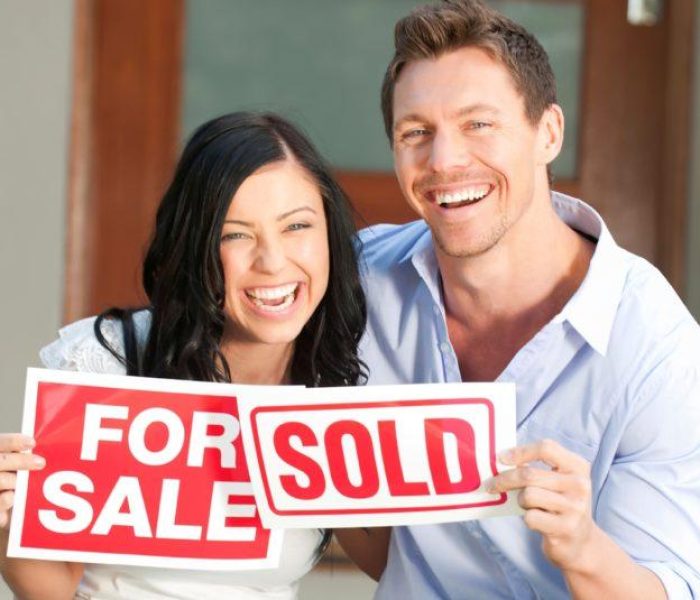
295,210
237,222
279,218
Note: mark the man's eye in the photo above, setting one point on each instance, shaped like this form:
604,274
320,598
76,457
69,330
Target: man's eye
479,124
414,134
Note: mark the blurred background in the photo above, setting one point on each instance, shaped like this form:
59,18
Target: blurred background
97,97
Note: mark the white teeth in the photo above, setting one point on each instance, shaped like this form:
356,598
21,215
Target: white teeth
471,194
288,300
264,298
272,293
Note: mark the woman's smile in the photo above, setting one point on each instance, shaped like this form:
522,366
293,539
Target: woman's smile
274,254
275,301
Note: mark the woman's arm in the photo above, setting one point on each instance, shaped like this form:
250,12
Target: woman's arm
39,579
367,547
28,579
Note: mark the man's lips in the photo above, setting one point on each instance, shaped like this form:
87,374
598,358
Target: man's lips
456,196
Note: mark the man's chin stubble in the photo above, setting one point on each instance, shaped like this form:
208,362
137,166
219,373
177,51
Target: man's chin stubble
475,248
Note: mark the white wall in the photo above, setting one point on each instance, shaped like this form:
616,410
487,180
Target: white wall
693,264
35,62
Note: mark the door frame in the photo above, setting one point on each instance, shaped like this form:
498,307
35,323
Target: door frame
127,89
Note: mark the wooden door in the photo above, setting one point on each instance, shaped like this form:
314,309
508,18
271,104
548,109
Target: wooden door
632,146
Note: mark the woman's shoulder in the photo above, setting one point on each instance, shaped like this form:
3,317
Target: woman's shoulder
78,349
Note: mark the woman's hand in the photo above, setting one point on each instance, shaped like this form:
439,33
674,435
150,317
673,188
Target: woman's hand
14,457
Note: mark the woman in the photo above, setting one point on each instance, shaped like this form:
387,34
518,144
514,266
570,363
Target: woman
251,278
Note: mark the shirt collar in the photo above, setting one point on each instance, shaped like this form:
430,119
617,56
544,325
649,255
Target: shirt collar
422,256
591,310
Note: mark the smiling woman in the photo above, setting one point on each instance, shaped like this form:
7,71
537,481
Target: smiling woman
275,254
251,277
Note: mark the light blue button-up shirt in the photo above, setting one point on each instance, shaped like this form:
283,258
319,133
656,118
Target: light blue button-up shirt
615,377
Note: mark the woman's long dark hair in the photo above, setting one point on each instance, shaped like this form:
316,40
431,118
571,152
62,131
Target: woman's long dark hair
183,276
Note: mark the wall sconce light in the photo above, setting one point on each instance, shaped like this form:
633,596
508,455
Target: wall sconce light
644,12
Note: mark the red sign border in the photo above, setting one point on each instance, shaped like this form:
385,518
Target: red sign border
501,499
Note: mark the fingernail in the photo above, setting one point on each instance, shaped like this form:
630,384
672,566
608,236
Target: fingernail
27,443
38,461
489,485
506,456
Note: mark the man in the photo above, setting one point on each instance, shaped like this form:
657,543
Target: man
503,280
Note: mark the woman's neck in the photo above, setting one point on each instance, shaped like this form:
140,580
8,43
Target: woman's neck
257,363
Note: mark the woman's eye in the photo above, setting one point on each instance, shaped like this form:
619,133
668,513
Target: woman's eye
297,226
234,235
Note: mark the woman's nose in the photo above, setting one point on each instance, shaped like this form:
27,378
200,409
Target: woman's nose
271,256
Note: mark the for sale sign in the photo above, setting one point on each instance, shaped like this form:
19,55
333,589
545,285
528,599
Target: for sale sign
379,455
138,471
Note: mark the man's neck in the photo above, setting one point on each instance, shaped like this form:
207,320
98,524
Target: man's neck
497,301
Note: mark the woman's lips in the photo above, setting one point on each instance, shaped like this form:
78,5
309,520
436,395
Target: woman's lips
273,300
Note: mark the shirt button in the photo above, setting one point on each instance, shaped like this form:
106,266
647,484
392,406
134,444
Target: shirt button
445,348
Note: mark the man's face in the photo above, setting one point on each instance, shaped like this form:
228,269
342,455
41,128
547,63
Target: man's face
467,159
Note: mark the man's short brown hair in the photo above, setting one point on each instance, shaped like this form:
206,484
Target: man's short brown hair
435,29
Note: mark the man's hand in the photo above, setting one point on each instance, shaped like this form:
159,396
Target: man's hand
557,501
13,458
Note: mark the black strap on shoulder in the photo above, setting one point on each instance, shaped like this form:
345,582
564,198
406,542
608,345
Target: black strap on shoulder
125,316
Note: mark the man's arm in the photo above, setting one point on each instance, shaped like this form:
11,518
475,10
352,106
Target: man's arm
558,505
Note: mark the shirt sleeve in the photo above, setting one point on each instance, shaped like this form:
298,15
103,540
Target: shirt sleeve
77,349
650,501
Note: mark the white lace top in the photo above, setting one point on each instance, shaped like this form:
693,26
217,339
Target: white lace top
78,349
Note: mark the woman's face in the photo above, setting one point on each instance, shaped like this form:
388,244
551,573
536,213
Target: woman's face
274,252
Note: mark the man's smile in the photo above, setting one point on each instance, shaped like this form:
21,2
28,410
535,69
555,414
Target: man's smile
456,198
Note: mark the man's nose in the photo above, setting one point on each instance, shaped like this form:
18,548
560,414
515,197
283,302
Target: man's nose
271,257
448,151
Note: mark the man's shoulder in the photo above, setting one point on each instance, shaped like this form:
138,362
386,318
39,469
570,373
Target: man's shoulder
647,290
652,314
385,245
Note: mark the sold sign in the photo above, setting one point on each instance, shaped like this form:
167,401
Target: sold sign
382,455
138,471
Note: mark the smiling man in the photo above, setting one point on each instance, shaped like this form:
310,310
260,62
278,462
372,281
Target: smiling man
502,279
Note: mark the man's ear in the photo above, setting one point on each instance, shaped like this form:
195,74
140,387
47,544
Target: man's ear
550,134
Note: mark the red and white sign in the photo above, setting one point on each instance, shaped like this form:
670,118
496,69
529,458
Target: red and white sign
139,471
378,455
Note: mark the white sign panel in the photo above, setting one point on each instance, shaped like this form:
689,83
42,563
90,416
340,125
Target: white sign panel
378,455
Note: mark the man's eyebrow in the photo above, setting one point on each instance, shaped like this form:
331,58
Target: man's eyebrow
281,217
478,107
412,118
465,110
